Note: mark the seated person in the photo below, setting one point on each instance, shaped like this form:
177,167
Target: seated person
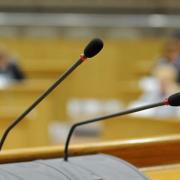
159,86
171,56
9,70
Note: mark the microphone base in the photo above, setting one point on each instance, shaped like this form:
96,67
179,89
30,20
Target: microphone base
89,167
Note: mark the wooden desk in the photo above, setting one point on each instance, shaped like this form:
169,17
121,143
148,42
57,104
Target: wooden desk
33,130
145,152
158,157
16,98
166,172
121,53
128,127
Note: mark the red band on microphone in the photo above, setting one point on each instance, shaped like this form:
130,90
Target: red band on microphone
83,57
166,102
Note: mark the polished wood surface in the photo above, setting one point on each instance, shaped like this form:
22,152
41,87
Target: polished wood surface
121,63
139,127
16,98
33,129
120,60
140,152
166,172
113,74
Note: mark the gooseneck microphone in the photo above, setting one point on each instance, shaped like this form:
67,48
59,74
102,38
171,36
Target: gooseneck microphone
93,48
173,100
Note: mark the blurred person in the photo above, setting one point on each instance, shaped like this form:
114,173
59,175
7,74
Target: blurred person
171,55
166,76
161,85
176,62
9,70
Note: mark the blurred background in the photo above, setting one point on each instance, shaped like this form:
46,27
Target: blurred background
139,64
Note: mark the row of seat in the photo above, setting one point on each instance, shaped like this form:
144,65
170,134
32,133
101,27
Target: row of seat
125,58
33,130
114,73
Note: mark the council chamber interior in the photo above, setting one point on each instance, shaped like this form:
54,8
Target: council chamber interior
137,66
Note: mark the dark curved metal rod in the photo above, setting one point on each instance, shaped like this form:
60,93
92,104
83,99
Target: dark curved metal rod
66,152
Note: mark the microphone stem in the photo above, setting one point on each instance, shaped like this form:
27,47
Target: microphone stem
39,99
105,118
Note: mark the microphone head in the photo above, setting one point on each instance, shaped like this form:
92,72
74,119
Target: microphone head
93,48
174,100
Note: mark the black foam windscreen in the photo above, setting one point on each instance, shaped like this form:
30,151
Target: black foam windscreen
174,100
93,48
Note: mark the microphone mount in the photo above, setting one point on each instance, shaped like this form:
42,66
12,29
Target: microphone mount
40,98
92,49
101,118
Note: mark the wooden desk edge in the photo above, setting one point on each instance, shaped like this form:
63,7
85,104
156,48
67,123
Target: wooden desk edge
140,152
